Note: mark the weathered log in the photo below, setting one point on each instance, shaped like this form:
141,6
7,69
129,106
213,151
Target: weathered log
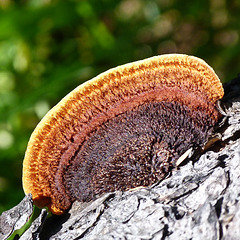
200,200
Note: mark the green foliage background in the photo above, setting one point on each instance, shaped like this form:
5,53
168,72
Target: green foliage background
47,48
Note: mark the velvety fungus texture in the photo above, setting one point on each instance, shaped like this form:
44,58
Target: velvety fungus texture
123,129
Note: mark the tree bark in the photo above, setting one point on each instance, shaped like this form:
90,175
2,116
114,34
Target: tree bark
199,200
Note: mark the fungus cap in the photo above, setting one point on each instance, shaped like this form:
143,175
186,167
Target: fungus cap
122,129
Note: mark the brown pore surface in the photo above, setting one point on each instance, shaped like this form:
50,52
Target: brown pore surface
59,135
135,148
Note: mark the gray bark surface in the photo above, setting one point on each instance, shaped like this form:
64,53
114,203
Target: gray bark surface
15,218
199,200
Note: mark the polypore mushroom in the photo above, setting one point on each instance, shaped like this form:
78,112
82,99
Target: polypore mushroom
125,128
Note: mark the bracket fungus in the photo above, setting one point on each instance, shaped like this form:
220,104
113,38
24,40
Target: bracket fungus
125,128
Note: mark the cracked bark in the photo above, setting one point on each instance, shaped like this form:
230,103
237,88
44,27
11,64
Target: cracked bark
16,217
200,200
